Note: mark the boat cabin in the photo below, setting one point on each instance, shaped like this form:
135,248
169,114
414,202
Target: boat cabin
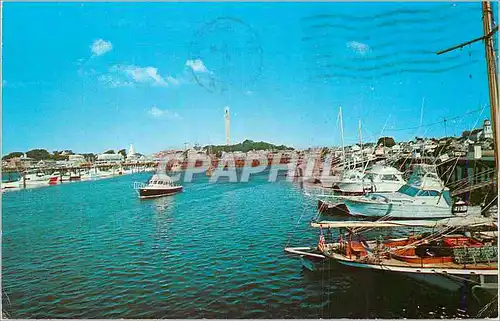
163,180
383,173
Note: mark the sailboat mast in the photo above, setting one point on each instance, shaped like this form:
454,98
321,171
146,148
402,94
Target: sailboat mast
360,136
492,76
342,133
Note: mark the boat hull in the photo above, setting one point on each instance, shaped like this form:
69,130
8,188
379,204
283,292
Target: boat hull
157,192
409,211
359,188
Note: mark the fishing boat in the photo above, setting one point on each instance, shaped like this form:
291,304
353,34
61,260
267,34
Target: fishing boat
347,176
157,186
380,178
62,177
424,196
33,179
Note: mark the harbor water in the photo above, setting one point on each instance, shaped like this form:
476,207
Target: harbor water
93,249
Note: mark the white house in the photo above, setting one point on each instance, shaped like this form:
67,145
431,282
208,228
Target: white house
487,130
397,148
76,160
109,158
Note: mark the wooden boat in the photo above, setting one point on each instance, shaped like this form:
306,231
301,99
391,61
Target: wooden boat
157,186
448,261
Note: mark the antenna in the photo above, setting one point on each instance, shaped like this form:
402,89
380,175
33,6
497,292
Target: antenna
342,133
421,116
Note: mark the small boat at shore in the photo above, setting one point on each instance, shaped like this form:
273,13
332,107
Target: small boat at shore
157,186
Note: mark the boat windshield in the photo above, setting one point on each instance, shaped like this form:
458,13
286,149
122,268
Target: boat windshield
408,190
370,176
429,193
389,177
447,197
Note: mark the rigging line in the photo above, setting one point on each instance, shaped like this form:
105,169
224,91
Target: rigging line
465,181
468,137
421,116
385,125
491,202
432,237
436,123
291,233
483,309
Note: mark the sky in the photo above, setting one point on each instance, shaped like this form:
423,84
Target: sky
96,76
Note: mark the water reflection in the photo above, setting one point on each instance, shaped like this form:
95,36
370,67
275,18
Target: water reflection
164,205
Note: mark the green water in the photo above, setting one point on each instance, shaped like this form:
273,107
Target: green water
95,250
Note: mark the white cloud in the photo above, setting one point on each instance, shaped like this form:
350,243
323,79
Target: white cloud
172,80
114,81
197,65
358,47
129,75
100,47
163,113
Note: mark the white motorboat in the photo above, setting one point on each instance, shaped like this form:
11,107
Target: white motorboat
351,175
379,178
11,184
424,196
33,179
158,185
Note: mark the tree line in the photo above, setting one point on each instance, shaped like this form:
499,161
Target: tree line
244,147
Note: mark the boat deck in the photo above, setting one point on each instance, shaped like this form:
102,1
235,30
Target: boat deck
444,265
401,266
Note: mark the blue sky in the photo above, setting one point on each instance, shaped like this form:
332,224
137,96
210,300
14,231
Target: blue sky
96,76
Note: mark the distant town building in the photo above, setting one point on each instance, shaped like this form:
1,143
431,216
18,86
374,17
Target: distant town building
26,161
62,163
45,163
487,129
132,156
76,160
355,148
482,133
397,148
109,158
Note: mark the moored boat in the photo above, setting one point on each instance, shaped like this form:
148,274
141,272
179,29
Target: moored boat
380,178
424,196
466,257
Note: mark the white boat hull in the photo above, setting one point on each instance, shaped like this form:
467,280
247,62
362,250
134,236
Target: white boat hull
411,211
448,279
329,181
14,184
359,187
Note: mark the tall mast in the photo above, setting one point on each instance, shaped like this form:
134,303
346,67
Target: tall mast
342,133
360,137
492,76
